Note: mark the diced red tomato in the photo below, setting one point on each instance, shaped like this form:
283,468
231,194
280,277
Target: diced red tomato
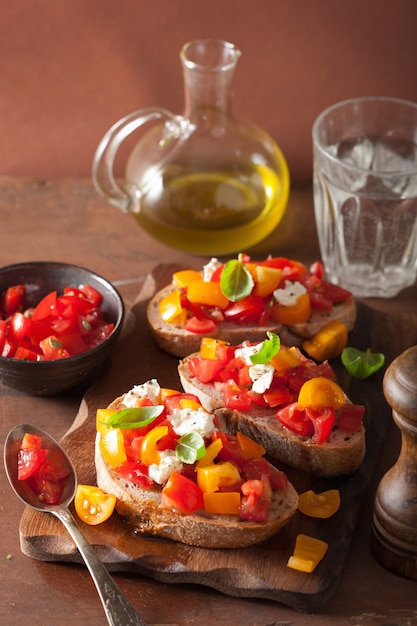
246,310
3,333
28,461
136,472
235,396
205,370
294,417
350,416
52,348
45,308
256,500
323,421
231,450
181,495
12,300
258,467
48,491
200,326
91,294
19,326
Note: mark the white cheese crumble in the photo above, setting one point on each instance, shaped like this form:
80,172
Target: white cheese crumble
186,420
289,294
261,376
150,390
169,463
248,351
209,269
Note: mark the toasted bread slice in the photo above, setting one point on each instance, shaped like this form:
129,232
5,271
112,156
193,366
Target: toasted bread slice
340,454
141,508
180,342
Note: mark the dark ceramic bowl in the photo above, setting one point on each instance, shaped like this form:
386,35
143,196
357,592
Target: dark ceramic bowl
44,378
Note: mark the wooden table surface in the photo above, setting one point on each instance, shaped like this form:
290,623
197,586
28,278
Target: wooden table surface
65,220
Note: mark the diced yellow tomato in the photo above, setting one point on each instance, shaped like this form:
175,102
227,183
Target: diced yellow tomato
320,393
328,343
308,552
286,358
211,477
208,347
188,403
212,451
112,447
148,452
184,277
93,505
171,310
266,279
222,502
292,314
102,417
165,392
250,448
208,293
321,505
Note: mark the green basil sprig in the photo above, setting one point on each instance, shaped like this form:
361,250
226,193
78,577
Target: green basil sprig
236,281
362,364
268,350
135,418
190,447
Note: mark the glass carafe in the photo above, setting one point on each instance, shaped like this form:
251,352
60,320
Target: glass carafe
205,182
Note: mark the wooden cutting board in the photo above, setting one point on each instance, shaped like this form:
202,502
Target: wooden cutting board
258,571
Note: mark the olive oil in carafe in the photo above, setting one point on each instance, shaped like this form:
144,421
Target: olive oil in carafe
212,212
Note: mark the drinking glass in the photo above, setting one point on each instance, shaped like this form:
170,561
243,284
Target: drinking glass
365,194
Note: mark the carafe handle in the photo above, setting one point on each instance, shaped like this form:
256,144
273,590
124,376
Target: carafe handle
127,197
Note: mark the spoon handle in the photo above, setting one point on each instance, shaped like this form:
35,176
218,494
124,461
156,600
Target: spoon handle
117,609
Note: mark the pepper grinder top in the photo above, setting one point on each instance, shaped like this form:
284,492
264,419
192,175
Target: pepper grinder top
394,529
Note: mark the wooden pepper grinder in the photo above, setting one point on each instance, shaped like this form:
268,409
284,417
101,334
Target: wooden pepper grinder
394,529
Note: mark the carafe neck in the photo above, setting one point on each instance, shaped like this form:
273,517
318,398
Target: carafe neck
208,69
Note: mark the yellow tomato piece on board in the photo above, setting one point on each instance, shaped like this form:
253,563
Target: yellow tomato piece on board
93,505
184,277
222,502
208,293
294,313
171,309
320,393
321,505
308,552
266,280
112,447
328,343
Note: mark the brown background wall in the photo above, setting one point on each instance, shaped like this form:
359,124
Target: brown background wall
70,68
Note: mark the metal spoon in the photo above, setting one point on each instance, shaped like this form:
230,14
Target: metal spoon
117,609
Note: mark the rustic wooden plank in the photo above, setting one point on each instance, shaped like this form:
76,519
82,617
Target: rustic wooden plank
259,571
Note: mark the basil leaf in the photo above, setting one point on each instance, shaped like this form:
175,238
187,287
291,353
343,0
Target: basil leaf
135,418
362,364
268,350
190,447
236,281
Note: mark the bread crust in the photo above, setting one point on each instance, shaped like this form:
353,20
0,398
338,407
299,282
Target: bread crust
180,342
140,507
340,454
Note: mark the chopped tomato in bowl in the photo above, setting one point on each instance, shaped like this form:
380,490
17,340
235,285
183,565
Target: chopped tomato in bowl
58,324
